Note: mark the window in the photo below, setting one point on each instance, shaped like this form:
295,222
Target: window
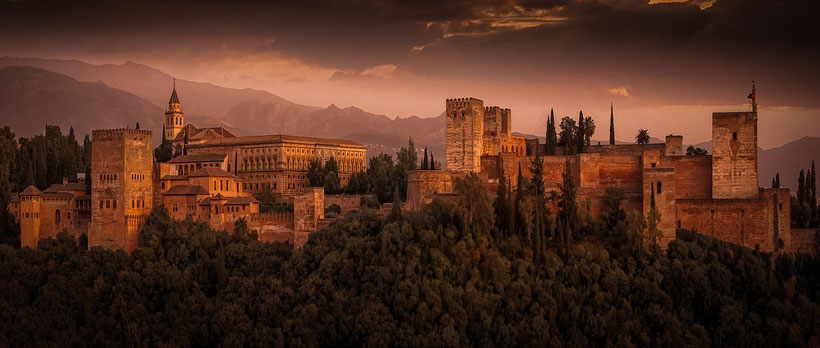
781,206
114,204
653,164
734,135
101,204
57,216
679,224
742,212
107,204
659,187
163,186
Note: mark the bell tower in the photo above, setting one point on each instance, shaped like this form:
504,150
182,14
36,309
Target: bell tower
174,117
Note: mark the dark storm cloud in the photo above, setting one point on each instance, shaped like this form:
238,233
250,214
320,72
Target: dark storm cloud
685,44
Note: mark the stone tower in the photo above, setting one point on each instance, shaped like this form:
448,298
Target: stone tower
465,131
30,201
174,117
121,187
734,153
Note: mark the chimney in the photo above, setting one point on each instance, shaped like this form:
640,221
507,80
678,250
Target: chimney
65,180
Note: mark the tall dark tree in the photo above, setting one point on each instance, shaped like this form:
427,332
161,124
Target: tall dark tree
801,187
185,144
777,180
425,164
552,137
579,137
502,205
611,124
568,134
812,186
432,162
316,174
332,182
395,211
567,210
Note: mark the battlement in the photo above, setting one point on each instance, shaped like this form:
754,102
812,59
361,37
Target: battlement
118,132
495,108
463,102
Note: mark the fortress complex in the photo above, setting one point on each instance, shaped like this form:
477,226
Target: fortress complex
717,195
211,183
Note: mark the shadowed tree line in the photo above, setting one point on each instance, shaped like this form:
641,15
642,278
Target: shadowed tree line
447,275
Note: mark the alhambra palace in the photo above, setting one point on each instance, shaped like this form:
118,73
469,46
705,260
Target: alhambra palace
717,194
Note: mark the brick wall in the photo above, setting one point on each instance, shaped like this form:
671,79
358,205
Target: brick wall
464,134
734,155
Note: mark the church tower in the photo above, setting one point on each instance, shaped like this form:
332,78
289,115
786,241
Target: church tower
174,117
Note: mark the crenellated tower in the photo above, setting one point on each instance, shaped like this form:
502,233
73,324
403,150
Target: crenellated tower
174,116
734,153
464,134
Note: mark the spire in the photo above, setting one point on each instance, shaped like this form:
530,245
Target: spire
174,98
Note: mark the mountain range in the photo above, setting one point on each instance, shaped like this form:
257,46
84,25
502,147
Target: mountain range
87,96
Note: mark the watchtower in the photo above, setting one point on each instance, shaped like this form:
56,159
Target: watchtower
30,200
121,187
734,153
464,134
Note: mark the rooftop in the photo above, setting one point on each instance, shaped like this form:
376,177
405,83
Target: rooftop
279,138
198,158
211,172
187,190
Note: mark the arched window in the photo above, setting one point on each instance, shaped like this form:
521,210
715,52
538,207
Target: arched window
57,216
660,190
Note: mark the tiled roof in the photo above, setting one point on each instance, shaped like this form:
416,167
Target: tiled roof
61,195
174,177
198,158
72,186
211,171
241,200
186,190
31,191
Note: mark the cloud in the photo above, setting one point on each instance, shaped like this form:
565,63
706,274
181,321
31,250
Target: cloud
620,91
376,72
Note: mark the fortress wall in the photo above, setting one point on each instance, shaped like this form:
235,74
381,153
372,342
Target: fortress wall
424,185
345,202
734,157
693,176
747,222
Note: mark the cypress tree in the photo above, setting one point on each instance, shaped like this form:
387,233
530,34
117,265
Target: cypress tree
501,205
432,162
773,183
611,125
579,138
777,180
813,188
425,165
512,208
553,133
568,211
801,187
551,140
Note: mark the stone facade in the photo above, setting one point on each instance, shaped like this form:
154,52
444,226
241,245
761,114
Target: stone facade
465,134
121,187
734,157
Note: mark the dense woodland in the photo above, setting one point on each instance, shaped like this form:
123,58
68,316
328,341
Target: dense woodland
440,276
482,269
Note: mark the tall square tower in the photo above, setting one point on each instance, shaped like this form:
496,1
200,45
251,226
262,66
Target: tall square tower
734,155
121,187
465,131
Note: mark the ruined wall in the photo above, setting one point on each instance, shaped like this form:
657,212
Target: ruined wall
121,172
424,185
734,155
693,176
464,134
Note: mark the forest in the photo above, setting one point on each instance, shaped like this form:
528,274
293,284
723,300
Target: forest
481,269
442,276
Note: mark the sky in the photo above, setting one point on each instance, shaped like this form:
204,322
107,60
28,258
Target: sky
665,65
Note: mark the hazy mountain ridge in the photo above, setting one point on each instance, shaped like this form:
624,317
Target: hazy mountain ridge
82,105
